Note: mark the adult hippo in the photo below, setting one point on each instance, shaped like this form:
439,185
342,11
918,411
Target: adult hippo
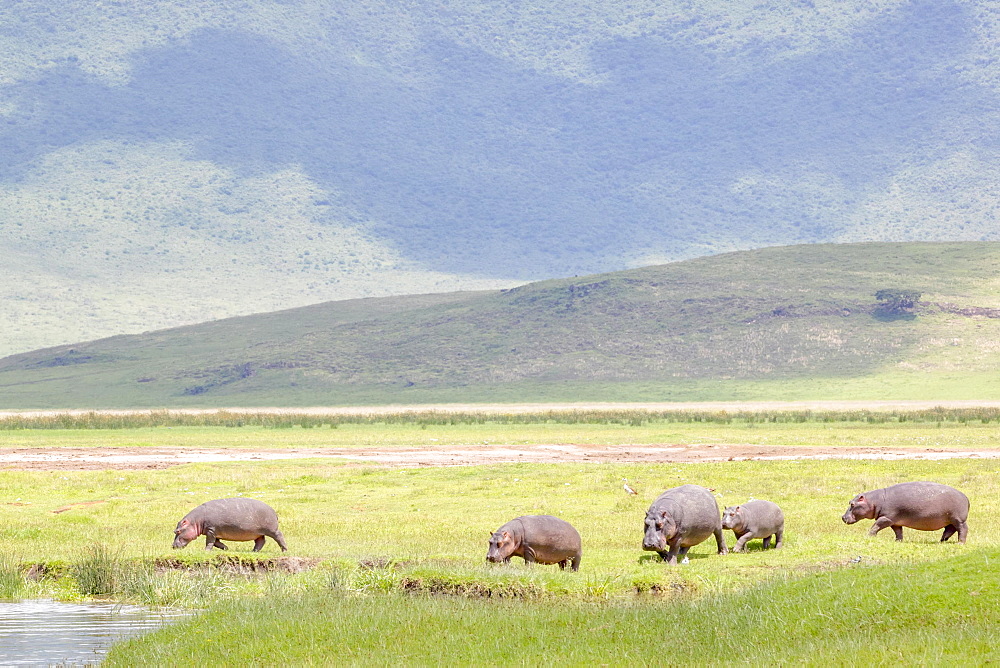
229,519
542,539
925,506
681,518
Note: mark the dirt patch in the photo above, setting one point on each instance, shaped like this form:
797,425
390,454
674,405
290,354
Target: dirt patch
76,505
75,459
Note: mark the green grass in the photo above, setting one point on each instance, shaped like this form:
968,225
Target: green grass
434,521
944,612
955,430
398,571
779,323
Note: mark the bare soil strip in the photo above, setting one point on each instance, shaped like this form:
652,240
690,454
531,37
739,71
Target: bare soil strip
75,459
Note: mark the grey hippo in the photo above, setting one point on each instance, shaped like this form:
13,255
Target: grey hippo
536,538
925,506
681,518
755,519
229,519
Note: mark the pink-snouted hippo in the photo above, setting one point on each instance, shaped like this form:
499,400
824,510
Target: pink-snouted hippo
925,506
681,518
229,519
755,519
539,539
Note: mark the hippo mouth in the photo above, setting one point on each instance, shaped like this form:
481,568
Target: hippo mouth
849,519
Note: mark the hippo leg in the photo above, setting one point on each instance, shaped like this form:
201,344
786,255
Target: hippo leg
721,541
528,556
576,563
963,531
279,539
741,543
767,542
898,530
258,544
664,555
219,544
562,564
949,531
675,548
211,540
881,523
778,538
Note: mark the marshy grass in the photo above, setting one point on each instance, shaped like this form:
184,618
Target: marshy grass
12,582
930,613
623,417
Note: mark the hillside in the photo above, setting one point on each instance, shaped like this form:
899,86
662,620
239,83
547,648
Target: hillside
795,322
176,161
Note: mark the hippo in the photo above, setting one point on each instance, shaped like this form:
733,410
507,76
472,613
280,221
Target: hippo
755,519
679,519
231,519
927,506
536,538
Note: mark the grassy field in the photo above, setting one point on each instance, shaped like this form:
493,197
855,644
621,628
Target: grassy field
961,429
381,545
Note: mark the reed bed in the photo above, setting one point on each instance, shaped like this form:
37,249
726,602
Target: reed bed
629,417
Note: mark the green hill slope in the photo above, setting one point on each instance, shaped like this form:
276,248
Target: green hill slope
780,323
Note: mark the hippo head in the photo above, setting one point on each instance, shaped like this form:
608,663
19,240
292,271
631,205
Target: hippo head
502,545
660,529
185,533
860,509
732,518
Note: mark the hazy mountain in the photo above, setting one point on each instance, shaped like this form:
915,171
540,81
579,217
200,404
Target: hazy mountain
779,323
172,162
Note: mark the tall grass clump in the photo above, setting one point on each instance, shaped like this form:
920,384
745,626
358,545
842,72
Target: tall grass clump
97,573
11,577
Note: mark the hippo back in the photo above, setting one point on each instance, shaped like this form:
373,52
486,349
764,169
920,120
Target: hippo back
237,513
548,530
924,503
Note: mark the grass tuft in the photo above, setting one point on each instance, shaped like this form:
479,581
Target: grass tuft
11,577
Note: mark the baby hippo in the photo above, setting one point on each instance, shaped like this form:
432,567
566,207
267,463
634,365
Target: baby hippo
536,538
229,519
755,519
926,506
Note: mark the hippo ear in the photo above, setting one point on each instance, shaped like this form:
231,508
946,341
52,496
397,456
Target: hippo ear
663,513
506,535
861,498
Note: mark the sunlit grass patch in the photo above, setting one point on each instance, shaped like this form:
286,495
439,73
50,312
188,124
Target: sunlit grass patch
877,615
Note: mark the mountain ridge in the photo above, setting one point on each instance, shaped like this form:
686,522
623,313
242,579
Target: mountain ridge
797,321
